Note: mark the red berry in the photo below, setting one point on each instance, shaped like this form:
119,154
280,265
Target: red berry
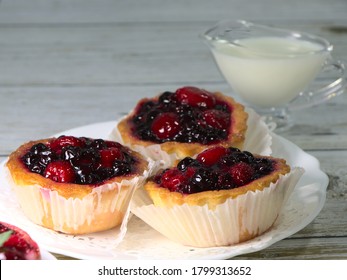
189,172
64,141
211,155
241,173
165,125
19,245
172,179
109,155
216,118
60,171
112,144
195,97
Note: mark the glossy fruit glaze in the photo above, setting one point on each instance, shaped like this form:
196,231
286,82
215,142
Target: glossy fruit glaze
188,115
79,160
19,245
217,168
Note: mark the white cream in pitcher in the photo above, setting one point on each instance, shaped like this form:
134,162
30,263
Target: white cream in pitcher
269,71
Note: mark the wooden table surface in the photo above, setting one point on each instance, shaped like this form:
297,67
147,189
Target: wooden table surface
65,64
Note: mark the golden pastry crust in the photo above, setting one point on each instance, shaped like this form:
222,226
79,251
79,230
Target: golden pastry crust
236,137
165,198
72,208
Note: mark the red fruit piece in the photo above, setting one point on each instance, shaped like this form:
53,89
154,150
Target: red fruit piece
165,125
109,155
172,179
216,118
112,144
195,97
60,171
19,245
241,173
211,155
64,141
189,172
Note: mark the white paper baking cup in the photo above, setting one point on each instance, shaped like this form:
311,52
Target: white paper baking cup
258,140
236,220
105,206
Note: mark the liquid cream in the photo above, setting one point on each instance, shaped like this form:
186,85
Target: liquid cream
269,71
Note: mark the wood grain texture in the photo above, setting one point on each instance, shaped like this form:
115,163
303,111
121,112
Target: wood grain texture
65,64
117,54
96,11
303,249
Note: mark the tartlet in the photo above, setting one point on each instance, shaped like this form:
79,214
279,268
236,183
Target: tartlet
222,197
183,123
75,185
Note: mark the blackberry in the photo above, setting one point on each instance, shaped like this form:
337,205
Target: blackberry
121,168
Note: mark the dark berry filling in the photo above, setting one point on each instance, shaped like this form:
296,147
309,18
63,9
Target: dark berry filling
17,246
79,160
217,168
189,115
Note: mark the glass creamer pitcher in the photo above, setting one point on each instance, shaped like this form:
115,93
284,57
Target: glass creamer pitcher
272,70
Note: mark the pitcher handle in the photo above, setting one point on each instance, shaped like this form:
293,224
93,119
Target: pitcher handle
314,96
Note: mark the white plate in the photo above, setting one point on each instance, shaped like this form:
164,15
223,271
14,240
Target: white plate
46,255
143,242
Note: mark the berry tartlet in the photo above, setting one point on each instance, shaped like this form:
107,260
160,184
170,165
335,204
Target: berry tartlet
222,197
183,123
76,185
16,244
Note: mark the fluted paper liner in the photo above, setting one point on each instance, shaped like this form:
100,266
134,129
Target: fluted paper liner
236,220
153,152
257,141
107,204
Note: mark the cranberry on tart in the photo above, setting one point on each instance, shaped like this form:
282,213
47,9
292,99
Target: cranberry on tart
75,184
221,197
185,122
16,244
